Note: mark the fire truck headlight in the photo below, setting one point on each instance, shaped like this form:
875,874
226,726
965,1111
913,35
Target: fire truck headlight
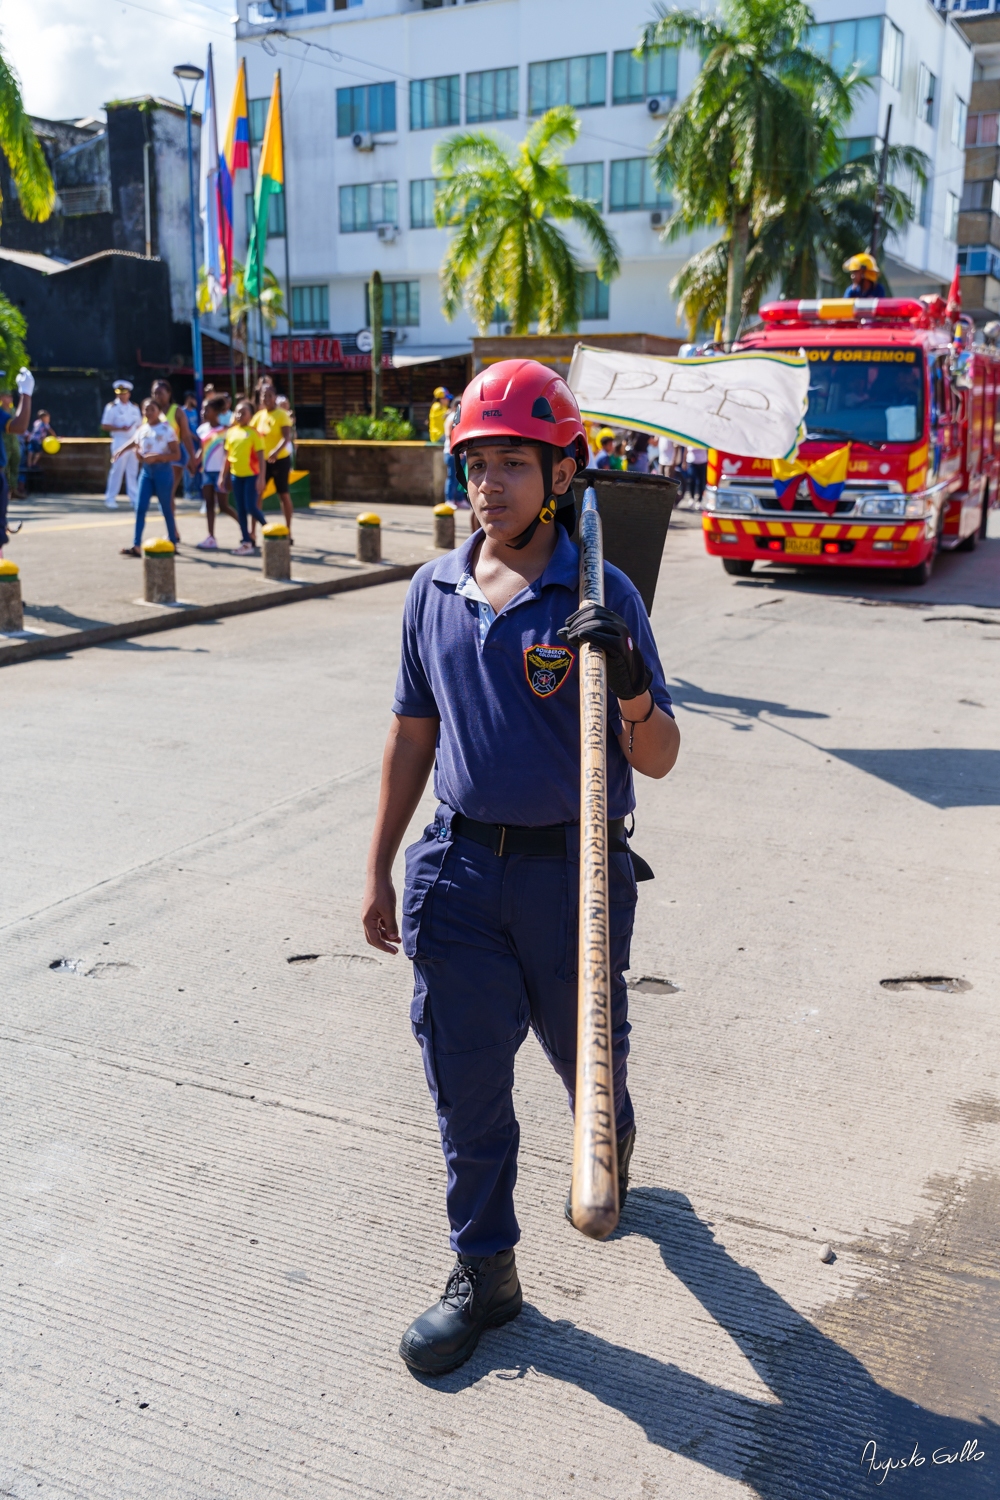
734,500
916,507
883,505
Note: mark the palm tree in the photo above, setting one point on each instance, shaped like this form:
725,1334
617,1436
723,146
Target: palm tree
20,145
271,304
737,146
830,217
505,205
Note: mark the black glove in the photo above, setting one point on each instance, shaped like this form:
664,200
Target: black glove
628,675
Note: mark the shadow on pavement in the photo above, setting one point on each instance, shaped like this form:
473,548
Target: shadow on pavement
808,1443
735,711
958,578
942,777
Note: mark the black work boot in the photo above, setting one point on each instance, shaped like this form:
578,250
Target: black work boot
626,1145
482,1292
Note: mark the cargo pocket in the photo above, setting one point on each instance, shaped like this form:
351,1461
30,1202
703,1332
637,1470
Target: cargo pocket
424,863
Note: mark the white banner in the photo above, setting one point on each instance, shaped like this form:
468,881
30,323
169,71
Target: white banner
752,403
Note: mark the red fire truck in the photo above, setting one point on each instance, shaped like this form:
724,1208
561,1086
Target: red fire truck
903,386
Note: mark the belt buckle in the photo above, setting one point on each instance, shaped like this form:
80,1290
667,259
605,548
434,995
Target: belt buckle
503,835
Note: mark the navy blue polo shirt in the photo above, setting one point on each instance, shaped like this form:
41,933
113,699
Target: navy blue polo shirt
506,688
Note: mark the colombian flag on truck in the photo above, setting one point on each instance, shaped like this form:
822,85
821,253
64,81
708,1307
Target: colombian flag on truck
825,477
270,180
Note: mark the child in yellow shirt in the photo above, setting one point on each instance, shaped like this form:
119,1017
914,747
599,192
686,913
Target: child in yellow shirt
245,467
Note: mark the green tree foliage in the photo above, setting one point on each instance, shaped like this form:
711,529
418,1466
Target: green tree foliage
243,308
13,332
21,147
505,205
390,427
738,147
828,218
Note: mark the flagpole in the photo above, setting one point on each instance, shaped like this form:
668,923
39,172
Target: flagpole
253,195
288,260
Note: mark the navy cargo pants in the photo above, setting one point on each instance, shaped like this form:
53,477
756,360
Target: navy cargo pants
493,941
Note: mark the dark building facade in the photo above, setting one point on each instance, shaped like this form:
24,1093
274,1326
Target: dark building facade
105,283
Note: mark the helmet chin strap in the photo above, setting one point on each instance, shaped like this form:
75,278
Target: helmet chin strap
549,505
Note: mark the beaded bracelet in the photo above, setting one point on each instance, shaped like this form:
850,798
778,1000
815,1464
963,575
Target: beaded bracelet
633,722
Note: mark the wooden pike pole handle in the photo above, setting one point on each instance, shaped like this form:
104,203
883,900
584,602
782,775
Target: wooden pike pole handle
595,1151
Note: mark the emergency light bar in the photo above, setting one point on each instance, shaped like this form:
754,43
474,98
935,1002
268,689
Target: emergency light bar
851,310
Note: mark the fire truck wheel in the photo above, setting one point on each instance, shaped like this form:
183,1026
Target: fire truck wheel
740,567
968,544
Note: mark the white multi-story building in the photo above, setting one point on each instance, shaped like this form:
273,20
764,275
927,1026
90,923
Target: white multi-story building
371,86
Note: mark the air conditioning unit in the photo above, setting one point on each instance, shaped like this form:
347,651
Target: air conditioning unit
657,219
657,106
363,140
387,232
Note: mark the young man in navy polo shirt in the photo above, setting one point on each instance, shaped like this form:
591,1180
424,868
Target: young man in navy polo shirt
488,696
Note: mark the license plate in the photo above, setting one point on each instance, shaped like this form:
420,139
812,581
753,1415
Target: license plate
803,546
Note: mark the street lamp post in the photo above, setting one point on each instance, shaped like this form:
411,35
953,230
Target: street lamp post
189,73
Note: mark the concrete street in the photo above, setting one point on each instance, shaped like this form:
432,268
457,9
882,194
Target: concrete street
222,1195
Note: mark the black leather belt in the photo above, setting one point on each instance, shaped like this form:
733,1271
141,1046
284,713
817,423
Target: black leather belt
550,841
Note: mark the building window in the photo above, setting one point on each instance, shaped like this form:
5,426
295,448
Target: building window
892,53
922,191
632,186
257,115
364,205
959,121
586,180
634,79
435,102
951,209
979,260
982,195
855,147
310,307
262,11
981,130
345,4
926,94
371,107
593,297
423,191
400,304
580,81
275,214
491,96
848,44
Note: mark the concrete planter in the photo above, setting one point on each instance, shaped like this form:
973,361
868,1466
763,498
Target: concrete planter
373,473
11,604
159,574
276,553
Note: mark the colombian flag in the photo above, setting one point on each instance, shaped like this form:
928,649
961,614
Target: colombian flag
825,477
234,155
270,179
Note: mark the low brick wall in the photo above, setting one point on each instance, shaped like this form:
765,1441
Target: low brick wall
367,473
80,466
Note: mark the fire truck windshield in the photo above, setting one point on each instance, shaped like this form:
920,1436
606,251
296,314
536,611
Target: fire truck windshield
866,395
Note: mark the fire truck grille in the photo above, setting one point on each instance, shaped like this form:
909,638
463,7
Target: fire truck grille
802,505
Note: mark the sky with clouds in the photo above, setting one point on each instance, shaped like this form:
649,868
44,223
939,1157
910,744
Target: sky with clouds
73,55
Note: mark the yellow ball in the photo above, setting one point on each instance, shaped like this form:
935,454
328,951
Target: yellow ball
51,444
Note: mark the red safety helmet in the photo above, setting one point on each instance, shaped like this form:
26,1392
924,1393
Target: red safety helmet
522,401
521,398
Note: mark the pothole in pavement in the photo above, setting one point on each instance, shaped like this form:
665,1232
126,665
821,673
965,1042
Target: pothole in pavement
941,982
649,984
345,960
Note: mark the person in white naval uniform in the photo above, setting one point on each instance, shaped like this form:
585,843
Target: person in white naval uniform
122,419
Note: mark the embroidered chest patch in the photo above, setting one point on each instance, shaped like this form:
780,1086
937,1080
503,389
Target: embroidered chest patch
546,668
